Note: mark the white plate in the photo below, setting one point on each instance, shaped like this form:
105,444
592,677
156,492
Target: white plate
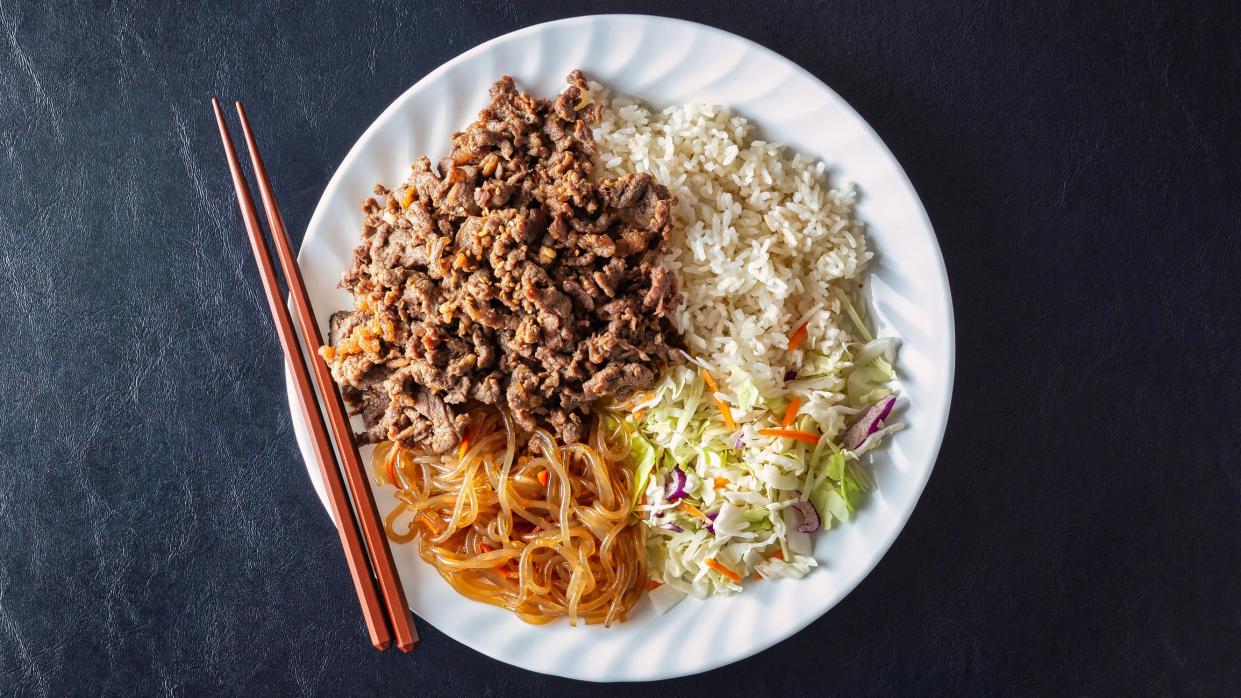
664,61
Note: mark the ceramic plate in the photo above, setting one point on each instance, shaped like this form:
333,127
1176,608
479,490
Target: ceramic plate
664,62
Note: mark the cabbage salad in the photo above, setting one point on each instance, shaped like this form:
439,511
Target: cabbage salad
731,482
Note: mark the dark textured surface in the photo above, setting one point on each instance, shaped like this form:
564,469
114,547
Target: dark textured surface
1080,534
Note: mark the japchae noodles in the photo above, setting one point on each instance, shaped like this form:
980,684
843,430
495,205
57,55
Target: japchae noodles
522,521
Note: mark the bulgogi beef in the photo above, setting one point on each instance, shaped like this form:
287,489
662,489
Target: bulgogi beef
506,275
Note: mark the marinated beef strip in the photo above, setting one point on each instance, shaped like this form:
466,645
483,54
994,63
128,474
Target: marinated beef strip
508,275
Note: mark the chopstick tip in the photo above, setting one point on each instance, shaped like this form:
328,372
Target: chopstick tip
241,114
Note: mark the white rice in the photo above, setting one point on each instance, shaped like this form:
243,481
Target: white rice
760,238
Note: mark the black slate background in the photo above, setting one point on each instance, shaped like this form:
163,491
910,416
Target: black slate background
1080,534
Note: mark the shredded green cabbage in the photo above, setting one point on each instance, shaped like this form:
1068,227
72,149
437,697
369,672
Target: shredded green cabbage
750,481
747,393
643,455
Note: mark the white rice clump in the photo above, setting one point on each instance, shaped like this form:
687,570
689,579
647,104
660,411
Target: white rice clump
759,238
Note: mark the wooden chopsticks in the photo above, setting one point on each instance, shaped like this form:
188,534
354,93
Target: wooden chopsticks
385,610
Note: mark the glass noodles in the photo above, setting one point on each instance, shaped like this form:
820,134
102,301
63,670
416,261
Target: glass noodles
522,521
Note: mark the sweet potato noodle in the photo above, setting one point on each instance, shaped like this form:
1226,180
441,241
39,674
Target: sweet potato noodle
521,521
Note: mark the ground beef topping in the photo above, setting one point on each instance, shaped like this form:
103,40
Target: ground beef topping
506,274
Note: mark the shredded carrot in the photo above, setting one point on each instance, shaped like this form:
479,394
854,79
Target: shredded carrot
503,568
638,415
803,436
408,198
327,352
706,376
791,413
637,400
695,512
720,482
728,414
430,522
652,584
799,334
723,570
779,555
724,409
543,477
465,444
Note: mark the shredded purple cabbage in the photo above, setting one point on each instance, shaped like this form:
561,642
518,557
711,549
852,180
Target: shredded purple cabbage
809,516
712,515
870,422
676,486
